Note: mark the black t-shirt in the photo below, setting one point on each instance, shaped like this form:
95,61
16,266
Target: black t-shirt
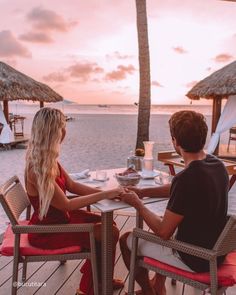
200,194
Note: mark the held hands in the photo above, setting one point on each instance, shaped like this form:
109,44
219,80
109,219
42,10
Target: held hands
138,191
131,198
115,193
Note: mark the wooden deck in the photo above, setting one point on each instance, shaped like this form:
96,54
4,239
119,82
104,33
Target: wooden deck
53,278
19,141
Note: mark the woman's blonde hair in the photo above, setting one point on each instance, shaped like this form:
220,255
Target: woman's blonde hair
43,151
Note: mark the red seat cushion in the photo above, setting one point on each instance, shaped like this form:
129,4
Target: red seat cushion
7,247
226,272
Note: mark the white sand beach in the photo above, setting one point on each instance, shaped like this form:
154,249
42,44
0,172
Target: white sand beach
93,141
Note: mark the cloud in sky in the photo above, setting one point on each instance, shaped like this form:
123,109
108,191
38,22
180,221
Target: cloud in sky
118,55
120,73
48,20
157,84
11,47
223,57
179,49
83,71
55,77
36,37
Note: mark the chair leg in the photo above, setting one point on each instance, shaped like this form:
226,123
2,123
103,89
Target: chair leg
213,276
63,262
24,271
183,289
15,277
132,266
94,263
15,265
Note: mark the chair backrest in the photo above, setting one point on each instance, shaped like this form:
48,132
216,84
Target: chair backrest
227,239
14,199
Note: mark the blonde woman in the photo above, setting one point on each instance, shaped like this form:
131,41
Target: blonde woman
46,183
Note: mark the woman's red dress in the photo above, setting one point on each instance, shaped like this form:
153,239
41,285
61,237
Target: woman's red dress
61,240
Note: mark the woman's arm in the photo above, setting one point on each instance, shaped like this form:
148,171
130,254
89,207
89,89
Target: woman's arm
61,202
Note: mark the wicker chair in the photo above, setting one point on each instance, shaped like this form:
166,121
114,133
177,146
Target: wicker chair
216,281
15,241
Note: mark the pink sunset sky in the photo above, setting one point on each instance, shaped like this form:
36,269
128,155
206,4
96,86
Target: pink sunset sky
87,50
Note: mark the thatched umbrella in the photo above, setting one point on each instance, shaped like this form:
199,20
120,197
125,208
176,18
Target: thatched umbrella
219,85
15,85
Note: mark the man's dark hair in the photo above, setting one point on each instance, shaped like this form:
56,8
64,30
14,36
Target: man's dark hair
189,128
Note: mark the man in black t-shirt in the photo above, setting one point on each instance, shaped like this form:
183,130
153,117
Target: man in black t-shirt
197,207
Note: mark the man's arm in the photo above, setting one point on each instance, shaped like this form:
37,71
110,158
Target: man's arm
162,191
162,227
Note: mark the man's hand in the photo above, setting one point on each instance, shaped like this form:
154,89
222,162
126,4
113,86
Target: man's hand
131,198
138,191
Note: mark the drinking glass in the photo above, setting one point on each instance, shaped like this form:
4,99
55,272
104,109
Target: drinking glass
101,175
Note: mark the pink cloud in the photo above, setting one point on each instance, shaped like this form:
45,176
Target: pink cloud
157,84
11,47
180,50
118,55
44,19
36,37
223,57
55,77
120,73
84,70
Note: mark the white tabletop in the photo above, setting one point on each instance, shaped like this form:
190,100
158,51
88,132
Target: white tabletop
111,205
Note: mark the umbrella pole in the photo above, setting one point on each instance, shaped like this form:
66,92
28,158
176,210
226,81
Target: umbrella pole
41,104
6,110
216,113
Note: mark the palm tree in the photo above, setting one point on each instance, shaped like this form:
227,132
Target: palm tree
144,74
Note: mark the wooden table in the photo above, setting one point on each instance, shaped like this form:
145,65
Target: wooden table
172,159
107,207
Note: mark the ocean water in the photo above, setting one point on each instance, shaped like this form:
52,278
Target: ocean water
73,108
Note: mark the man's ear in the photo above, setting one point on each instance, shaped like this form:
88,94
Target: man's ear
175,141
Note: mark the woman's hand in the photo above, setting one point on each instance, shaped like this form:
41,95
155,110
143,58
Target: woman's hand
131,198
115,193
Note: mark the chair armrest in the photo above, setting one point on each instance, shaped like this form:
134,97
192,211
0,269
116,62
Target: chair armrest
53,228
190,249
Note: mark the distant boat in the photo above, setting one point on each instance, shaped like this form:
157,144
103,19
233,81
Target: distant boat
103,106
